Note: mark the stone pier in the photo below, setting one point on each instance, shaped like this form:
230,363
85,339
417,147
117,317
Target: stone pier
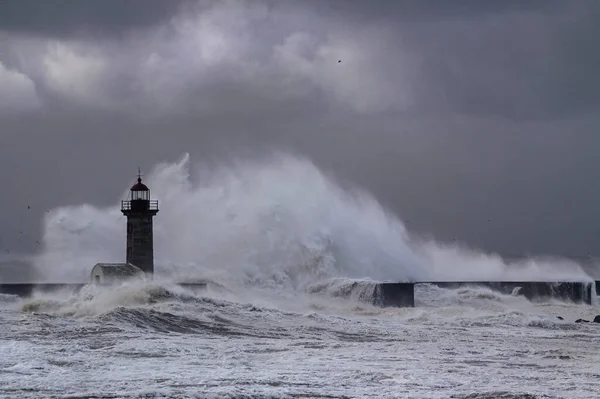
403,294
25,290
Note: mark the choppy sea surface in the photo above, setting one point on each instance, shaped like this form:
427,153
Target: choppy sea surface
160,341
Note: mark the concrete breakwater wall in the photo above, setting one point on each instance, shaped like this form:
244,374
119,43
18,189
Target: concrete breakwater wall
25,290
383,294
578,292
28,289
399,295
390,294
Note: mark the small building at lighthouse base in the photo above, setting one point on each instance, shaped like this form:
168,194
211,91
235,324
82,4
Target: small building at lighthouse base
108,273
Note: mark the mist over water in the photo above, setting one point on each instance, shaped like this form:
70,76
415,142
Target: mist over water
279,223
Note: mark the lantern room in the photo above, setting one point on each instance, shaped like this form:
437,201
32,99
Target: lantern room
139,199
139,191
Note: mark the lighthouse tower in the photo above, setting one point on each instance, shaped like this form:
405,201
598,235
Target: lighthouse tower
140,210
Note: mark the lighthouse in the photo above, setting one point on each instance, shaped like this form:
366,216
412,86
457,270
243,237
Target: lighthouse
139,210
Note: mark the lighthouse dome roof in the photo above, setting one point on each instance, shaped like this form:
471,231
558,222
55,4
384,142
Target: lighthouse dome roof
139,186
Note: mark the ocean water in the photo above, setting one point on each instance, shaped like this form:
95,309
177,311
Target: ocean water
265,234
156,341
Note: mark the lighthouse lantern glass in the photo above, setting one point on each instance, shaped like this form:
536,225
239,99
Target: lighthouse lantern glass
140,195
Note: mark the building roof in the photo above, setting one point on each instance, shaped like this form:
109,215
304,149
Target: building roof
139,186
120,270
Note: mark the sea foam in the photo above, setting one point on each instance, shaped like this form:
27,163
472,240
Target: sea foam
278,223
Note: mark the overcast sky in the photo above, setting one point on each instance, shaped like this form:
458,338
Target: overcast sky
476,121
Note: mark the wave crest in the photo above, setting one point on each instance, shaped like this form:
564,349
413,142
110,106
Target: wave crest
278,224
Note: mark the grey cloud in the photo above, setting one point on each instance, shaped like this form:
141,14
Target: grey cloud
432,10
18,91
64,18
451,113
514,59
175,66
531,64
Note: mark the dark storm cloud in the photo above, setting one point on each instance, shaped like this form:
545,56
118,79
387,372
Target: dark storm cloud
526,60
419,11
532,64
74,17
451,113
519,59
